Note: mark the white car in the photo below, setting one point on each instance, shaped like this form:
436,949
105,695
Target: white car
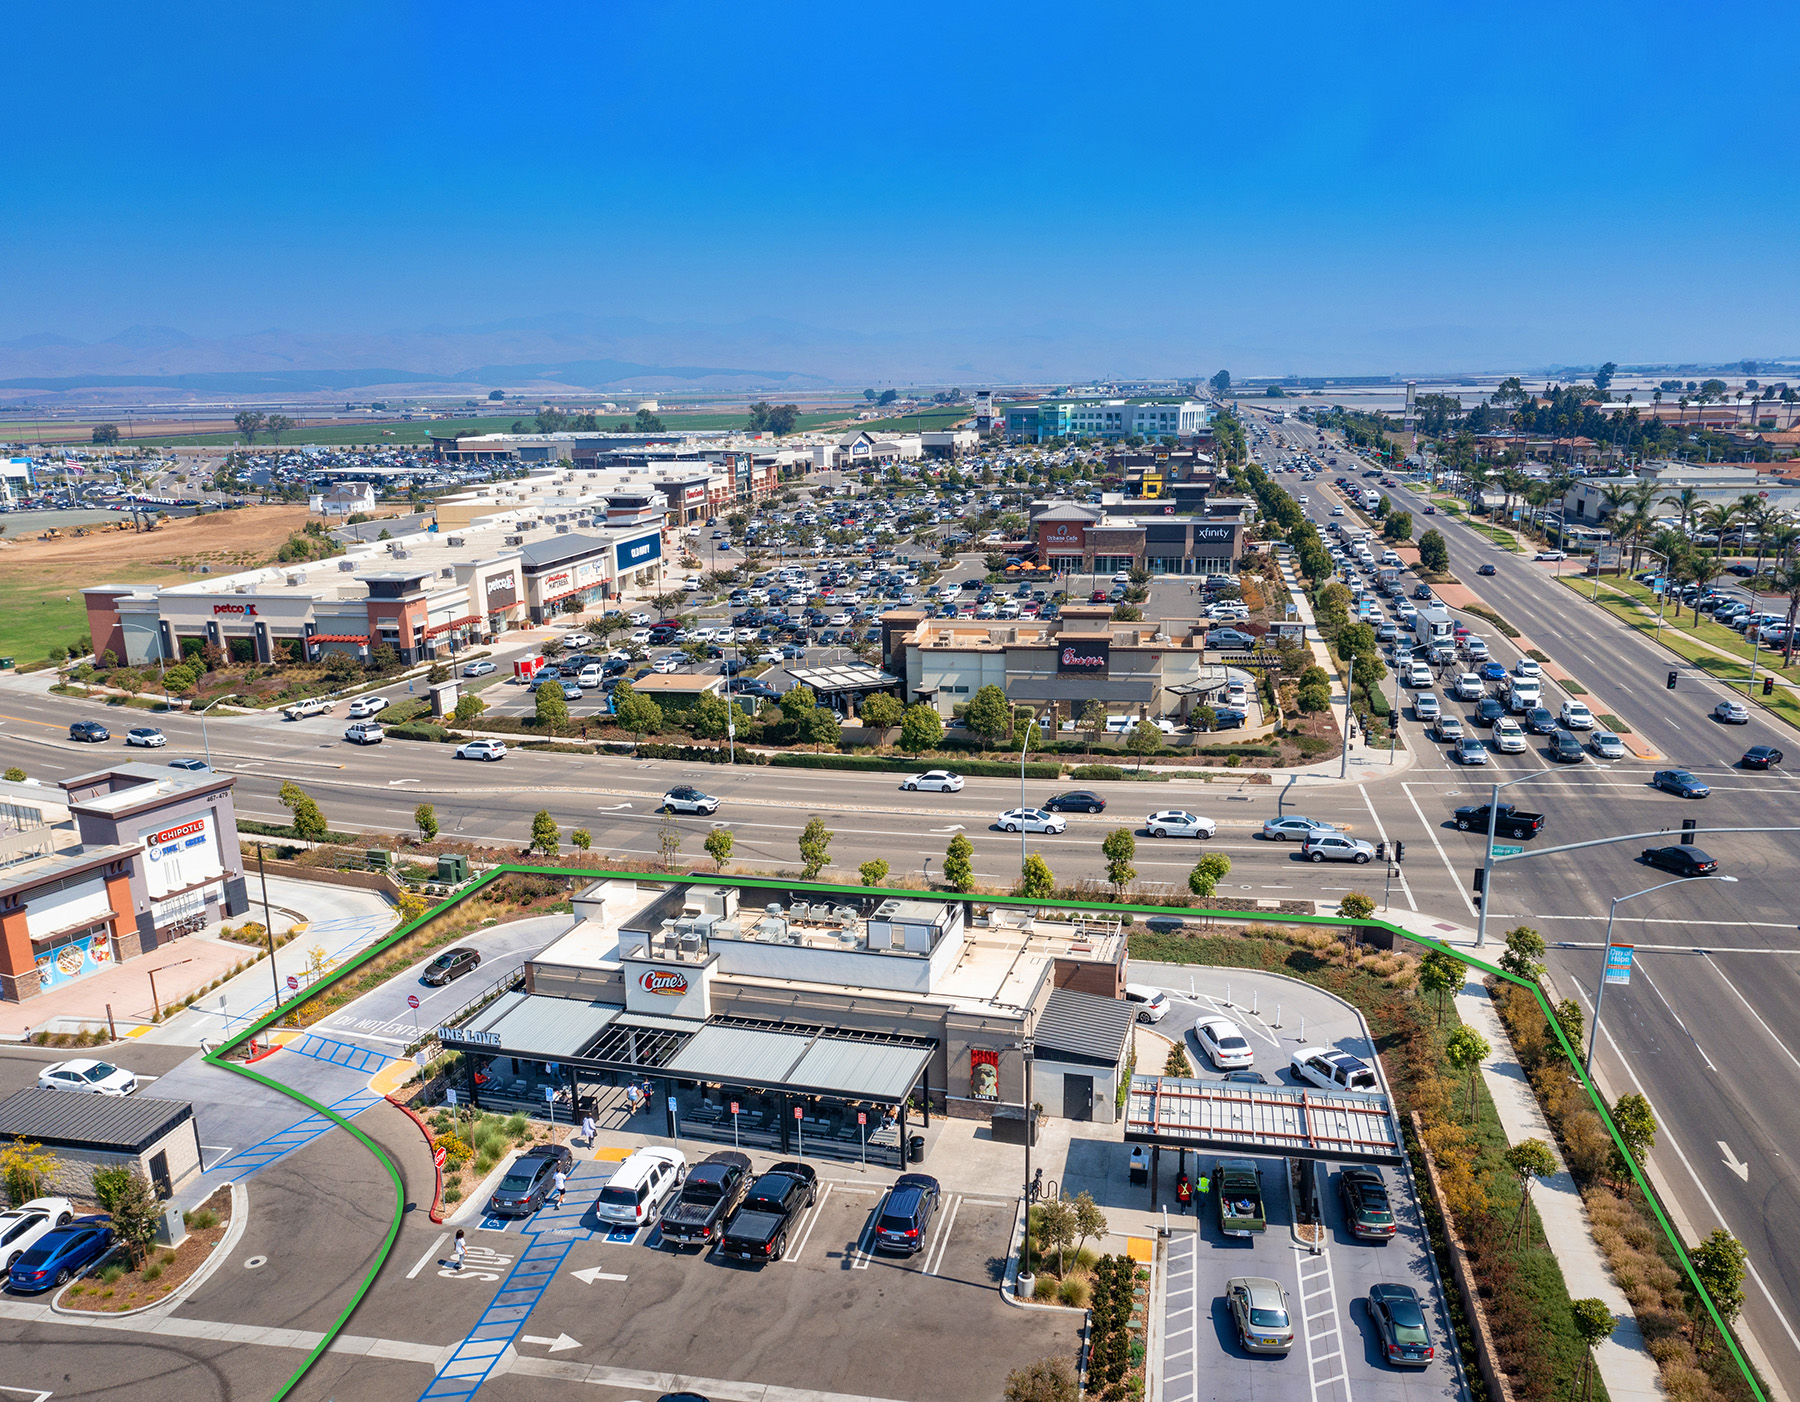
1525,667
88,1076
1475,649
1173,822
311,706
1509,736
1152,1004
1469,687
365,732
640,619
481,668
936,780
365,706
1330,1069
685,798
1576,716
640,636
21,1227
1425,706
1031,820
1549,555
639,1186
665,665
1224,1043
577,640
146,735
482,749
1609,746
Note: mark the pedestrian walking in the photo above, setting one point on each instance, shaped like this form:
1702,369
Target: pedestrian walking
562,1183
458,1249
587,1129
1184,1190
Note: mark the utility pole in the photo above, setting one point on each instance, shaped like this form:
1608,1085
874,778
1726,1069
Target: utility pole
1349,687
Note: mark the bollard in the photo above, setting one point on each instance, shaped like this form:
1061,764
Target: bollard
1302,1037
1228,995
1165,1225
1277,1021
1255,1001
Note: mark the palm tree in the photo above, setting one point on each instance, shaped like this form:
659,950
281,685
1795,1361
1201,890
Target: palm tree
1631,526
1696,567
1787,581
1687,501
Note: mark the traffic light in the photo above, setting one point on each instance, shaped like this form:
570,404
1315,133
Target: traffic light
1480,883
1399,852
1768,686
1687,831
1672,676
1381,851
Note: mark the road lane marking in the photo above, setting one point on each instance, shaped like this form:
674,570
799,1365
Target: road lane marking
430,1254
1431,832
1786,1050
1381,829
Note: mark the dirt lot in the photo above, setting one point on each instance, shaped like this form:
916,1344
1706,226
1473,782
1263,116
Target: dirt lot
41,580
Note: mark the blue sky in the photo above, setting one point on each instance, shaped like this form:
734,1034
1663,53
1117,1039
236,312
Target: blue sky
1331,187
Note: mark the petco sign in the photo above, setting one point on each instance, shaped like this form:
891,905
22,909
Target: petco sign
247,610
1090,655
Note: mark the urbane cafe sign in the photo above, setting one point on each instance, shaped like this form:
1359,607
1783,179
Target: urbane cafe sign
1089,655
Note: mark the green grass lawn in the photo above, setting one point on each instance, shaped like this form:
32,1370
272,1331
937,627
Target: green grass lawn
925,421
37,614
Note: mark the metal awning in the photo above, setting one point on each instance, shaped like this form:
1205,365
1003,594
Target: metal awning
535,1025
810,1063
1261,1121
825,681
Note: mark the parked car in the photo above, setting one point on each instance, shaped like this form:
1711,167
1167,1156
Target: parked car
1259,1313
146,735
640,1185
1152,1004
56,1256
1174,822
905,1214
1367,1211
482,749
365,706
1076,801
1681,859
89,1077
89,731
1335,847
480,668
1761,757
685,798
451,964
25,1225
1330,1069
1549,555
934,780
530,1180
1294,828
1732,713
712,1192
1031,820
1224,1043
1400,1321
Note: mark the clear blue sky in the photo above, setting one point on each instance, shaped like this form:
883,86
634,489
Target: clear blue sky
1430,185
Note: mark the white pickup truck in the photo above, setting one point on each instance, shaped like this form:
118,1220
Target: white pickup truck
311,706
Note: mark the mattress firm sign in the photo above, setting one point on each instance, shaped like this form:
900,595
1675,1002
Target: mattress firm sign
180,853
667,989
1086,656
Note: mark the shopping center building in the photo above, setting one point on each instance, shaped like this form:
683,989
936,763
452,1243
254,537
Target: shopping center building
1164,537
806,1020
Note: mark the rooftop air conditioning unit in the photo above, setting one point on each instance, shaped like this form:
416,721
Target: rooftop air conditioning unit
562,530
294,579
515,540
447,572
346,566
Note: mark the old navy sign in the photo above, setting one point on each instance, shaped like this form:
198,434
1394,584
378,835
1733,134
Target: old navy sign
637,552
667,982
1093,656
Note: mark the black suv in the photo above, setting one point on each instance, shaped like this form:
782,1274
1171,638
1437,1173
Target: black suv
906,1214
89,730
530,1180
1490,710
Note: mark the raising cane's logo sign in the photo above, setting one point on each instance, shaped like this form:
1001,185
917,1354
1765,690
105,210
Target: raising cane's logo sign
248,610
1088,655
664,981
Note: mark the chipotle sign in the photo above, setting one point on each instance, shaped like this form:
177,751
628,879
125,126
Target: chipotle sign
1090,655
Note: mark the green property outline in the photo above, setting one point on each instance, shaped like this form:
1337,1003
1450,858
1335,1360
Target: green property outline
217,1056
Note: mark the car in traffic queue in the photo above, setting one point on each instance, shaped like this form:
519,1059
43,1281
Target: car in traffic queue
1031,820
1368,1212
1295,828
1399,1319
1509,737
1575,716
1469,750
1608,746
1681,859
1176,822
934,781
146,735
1224,1043
1336,847
1566,748
1076,801
685,798
1679,782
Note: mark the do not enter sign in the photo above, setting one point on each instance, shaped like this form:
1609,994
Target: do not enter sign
293,983
862,1117
412,1001
734,1106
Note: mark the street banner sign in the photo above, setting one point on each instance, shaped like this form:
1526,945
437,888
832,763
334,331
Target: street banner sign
1618,963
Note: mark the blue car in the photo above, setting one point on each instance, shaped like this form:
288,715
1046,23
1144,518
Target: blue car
57,1256
1493,672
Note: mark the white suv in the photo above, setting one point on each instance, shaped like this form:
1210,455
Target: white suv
1577,716
640,1186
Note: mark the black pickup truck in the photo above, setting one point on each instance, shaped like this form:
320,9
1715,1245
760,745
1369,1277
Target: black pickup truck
758,1230
1508,821
713,1189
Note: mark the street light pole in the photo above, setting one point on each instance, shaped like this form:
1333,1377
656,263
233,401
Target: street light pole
1349,688
1029,727
1587,1062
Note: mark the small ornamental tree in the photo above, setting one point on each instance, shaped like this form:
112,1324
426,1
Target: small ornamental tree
1720,1262
1441,972
544,834
1465,1049
425,819
1119,847
552,709
815,848
1036,880
1636,1123
872,872
1355,906
1595,1323
581,838
1528,1159
1145,739
959,863
989,714
1524,956
921,728
881,711
718,846
1208,872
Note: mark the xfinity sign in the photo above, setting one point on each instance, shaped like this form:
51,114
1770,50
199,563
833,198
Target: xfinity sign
1092,656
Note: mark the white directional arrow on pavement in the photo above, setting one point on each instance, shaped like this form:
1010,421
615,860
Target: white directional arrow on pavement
557,1345
616,808
958,827
593,1273
392,782
1731,1161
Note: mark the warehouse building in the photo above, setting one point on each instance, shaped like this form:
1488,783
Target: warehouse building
802,1020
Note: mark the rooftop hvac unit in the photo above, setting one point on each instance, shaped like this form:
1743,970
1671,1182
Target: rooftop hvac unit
562,530
346,566
447,572
455,542
515,540
402,554
294,579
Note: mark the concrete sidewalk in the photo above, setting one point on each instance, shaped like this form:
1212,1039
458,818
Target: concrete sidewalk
1630,1373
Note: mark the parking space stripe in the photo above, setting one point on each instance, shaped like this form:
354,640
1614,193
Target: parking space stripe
430,1253
813,1221
942,1243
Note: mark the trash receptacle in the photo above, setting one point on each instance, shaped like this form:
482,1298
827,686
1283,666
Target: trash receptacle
915,1149
5,663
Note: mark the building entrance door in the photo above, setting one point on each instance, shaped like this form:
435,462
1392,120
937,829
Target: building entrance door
1078,1097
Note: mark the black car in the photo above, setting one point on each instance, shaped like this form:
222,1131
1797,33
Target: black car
1761,757
1680,783
1487,569
906,1214
1400,1320
1076,801
90,731
1541,720
1247,1078
1421,591
1565,748
530,1180
1228,718
1681,859
452,963
1490,710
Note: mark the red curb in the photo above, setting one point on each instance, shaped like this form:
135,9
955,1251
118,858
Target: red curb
437,1201
263,1055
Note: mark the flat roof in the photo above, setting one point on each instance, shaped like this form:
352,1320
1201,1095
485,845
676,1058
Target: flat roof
1265,1121
553,1028
847,678
1085,1027
60,1119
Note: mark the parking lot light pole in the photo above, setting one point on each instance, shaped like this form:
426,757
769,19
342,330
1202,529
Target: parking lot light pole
1587,1062
207,744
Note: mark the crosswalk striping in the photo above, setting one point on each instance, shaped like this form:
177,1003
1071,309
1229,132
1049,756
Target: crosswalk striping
302,1132
337,1053
474,1358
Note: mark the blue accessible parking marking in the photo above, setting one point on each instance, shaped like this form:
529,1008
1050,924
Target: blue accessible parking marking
467,1368
296,1135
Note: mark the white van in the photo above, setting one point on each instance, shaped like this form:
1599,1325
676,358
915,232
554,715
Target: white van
640,1186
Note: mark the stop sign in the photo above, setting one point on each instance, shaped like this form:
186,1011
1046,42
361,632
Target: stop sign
437,1156
412,1001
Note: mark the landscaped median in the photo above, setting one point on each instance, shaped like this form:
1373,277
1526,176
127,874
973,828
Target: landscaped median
1529,1305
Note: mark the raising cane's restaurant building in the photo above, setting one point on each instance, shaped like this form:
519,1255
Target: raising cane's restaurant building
801,1021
